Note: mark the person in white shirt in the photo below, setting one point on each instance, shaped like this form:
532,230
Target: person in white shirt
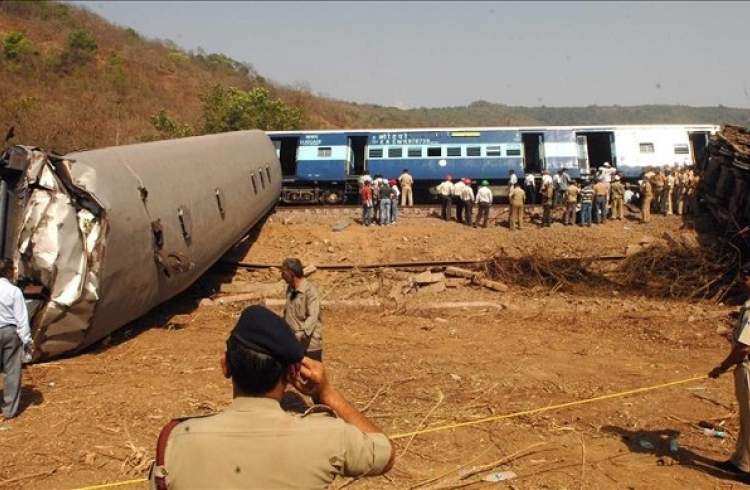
467,196
530,184
445,191
458,191
484,201
395,194
15,338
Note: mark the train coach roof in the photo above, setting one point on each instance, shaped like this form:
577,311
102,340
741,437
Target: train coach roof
612,127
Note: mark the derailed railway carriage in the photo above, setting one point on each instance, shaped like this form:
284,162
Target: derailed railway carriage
100,237
324,166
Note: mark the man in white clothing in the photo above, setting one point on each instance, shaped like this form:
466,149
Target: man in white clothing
445,191
15,338
484,201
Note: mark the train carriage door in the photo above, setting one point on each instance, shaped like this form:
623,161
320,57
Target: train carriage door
698,143
357,145
286,149
533,152
582,146
600,148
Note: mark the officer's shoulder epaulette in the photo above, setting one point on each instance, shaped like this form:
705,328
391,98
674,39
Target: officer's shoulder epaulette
319,410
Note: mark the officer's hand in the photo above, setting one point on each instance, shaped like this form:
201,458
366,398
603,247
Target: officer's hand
716,372
312,380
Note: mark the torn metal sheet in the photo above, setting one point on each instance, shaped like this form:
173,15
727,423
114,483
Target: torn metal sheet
108,234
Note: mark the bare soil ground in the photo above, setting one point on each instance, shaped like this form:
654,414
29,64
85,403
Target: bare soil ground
94,418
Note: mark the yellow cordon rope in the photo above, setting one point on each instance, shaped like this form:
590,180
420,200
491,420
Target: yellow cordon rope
484,420
547,408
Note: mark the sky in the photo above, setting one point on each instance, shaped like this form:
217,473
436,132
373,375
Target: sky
437,54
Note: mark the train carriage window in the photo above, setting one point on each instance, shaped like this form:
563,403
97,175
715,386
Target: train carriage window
435,151
513,152
415,152
255,183
454,151
646,147
395,152
324,152
474,151
375,153
186,223
262,180
268,173
494,151
681,150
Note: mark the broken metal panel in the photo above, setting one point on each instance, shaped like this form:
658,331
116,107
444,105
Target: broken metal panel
111,233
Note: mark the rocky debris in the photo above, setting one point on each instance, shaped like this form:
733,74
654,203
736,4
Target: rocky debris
259,289
341,225
427,277
310,269
459,272
494,285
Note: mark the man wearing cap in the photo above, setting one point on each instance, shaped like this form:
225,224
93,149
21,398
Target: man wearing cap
302,308
617,195
467,197
484,201
647,194
737,359
254,443
445,191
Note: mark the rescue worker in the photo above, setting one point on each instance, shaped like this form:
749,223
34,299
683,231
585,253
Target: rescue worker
529,184
484,201
556,186
617,195
563,185
666,200
517,199
571,201
512,180
406,181
445,191
376,198
647,194
658,182
601,189
679,191
366,198
395,194
587,201
458,202
691,200
548,199
302,308
254,443
385,202
467,195
15,339
737,359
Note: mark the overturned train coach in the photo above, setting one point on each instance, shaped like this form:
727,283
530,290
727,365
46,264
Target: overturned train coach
100,237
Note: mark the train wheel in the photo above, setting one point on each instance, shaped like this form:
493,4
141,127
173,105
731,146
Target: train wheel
331,197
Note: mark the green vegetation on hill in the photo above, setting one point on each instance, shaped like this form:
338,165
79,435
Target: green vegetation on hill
69,80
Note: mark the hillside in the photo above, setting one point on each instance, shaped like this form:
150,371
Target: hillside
69,79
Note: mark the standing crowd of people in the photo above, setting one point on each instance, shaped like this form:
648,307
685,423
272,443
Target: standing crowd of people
584,201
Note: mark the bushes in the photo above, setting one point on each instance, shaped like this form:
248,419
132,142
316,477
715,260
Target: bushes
232,109
81,43
168,127
15,45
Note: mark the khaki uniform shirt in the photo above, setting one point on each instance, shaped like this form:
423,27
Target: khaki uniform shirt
517,196
648,192
572,193
617,191
256,444
406,181
302,313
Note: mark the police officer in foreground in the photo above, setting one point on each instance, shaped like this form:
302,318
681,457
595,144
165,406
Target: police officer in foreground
737,360
254,443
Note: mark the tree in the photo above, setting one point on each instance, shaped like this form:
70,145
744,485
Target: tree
15,45
168,127
233,109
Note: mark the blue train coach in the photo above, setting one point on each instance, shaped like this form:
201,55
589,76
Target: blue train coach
324,166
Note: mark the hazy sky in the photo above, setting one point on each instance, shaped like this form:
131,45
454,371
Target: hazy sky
443,53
